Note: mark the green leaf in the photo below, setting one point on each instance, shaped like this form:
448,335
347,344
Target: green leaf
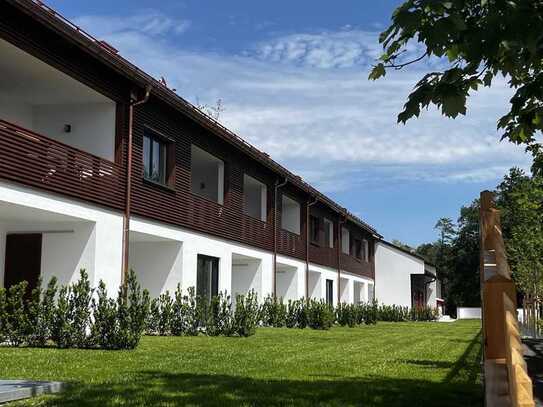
454,105
377,72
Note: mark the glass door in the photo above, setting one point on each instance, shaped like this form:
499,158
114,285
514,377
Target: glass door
207,277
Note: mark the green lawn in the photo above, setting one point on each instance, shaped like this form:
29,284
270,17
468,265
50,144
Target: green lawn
390,364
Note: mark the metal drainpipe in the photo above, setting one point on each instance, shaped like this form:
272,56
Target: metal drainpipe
340,222
128,199
274,277
307,231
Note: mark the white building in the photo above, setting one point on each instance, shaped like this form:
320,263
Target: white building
106,169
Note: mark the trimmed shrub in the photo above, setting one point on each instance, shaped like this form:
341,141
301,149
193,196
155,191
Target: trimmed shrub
193,315
346,314
165,304
219,318
104,327
246,314
16,322
319,315
273,312
132,310
423,314
393,313
80,310
3,315
41,313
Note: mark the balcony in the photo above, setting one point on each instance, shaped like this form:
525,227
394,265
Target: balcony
36,160
56,132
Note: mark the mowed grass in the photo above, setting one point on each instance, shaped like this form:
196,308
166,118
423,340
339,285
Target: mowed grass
390,364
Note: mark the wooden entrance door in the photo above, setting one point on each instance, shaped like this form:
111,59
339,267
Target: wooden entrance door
23,259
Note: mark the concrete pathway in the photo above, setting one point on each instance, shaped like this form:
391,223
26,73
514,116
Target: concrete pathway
11,390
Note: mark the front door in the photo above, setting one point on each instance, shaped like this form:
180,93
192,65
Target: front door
23,259
207,277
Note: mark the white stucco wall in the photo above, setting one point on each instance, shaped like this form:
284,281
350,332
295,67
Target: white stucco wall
93,126
246,277
468,313
75,235
393,269
17,113
158,265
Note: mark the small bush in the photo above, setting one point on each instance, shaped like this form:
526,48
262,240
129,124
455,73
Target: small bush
219,318
273,312
80,310
132,310
246,314
165,304
424,314
3,315
319,315
16,319
41,311
104,327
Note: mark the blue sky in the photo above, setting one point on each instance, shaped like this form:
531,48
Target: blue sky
292,76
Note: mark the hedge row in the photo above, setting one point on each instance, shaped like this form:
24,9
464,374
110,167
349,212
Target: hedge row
79,316
73,316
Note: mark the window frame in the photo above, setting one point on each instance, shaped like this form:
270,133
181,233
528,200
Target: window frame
314,230
167,146
328,225
283,196
263,216
329,291
366,250
346,250
221,187
357,249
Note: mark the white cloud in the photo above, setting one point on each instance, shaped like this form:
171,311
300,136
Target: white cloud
305,99
148,22
339,49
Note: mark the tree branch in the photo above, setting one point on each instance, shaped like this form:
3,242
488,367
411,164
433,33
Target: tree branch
400,66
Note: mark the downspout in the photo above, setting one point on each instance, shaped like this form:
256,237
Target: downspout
340,222
128,199
307,231
274,276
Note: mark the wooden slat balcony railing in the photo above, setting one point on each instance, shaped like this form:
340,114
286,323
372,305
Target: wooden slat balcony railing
325,256
39,161
290,244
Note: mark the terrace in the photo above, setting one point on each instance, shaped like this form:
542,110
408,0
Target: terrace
56,132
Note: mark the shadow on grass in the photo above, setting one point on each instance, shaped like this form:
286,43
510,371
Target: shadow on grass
157,388
460,387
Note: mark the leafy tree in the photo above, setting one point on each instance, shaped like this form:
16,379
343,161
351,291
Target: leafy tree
402,245
463,278
520,198
476,40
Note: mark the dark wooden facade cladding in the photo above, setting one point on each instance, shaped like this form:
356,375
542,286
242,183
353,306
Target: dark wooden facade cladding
174,204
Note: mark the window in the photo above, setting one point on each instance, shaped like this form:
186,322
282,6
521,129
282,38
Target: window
207,175
314,230
255,196
207,277
330,292
345,241
328,233
371,292
366,248
154,158
290,215
357,250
